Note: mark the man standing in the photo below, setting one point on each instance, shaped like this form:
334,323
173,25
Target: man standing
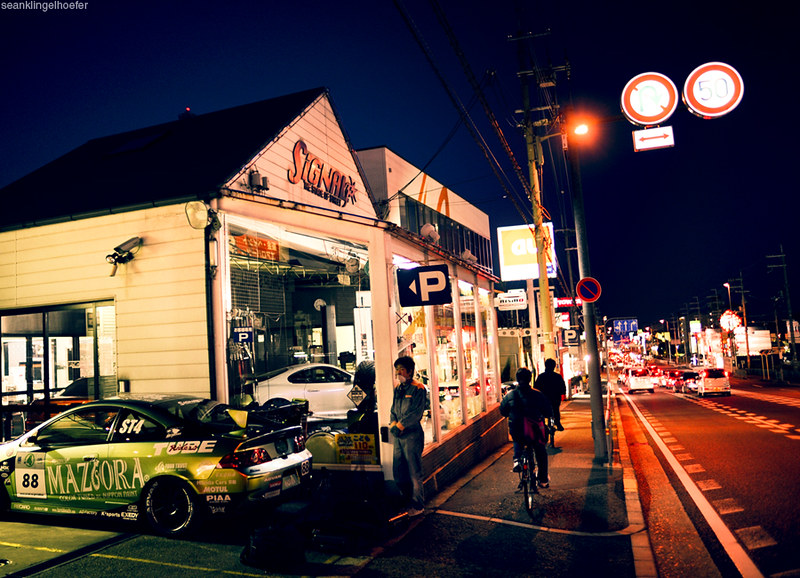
552,385
408,404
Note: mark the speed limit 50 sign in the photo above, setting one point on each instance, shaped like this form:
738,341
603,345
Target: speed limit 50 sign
713,89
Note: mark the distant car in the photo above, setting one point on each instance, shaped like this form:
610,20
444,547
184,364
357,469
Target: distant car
671,377
686,383
324,386
164,459
639,379
713,380
76,393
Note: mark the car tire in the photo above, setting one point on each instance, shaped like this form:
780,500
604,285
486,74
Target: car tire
275,402
170,506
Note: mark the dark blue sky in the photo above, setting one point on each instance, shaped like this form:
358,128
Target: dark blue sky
664,226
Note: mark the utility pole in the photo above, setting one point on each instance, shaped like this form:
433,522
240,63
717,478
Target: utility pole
782,265
535,161
740,287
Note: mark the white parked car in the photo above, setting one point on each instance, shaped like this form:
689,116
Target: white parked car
324,386
713,380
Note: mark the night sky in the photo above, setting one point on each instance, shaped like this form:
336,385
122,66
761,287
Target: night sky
666,228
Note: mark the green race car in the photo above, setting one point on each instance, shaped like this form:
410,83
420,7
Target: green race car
164,459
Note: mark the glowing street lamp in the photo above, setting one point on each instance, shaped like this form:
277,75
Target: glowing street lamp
669,340
728,285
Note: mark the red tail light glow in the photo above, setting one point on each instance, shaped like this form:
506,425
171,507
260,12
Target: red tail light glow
299,443
246,459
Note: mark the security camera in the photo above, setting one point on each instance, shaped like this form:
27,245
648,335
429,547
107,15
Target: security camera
123,253
129,245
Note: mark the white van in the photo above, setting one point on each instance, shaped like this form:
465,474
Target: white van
639,379
713,380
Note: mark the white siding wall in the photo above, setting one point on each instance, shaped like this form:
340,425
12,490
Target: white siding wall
320,130
159,296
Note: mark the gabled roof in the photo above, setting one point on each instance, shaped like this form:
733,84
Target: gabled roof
188,158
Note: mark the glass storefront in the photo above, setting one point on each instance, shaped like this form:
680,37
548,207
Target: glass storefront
453,354
61,351
294,298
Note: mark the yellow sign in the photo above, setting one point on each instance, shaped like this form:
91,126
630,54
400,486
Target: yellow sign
356,449
518,252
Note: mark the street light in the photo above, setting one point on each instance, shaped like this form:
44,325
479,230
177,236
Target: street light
589,322
728,285
669,340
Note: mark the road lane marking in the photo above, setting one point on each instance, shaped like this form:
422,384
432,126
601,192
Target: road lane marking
755,537
173,565
727,540
27,547
727,506
627,531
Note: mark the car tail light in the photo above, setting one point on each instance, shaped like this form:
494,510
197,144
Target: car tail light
246,459
299,443
726,374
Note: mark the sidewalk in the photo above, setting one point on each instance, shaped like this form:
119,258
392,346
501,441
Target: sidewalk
589,522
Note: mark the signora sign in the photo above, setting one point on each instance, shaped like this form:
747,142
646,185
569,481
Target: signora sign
429,285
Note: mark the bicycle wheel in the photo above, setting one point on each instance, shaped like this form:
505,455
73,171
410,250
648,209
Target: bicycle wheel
528,483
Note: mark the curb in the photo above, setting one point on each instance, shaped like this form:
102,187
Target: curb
643,560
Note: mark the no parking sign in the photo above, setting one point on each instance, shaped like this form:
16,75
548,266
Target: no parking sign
588,289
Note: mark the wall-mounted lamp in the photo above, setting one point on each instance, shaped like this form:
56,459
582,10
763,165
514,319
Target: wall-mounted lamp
200,216
429,233
467,255
124,253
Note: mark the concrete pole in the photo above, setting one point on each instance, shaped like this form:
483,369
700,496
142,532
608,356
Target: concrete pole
589,320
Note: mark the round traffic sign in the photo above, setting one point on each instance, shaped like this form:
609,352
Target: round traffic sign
713,89
588,289
649,99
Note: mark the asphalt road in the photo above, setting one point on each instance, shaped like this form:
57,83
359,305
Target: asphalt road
740,455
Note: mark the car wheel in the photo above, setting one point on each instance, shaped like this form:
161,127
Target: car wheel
275,402
170,506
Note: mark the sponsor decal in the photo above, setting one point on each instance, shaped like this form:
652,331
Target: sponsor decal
320,178
111,478
184,447
218,498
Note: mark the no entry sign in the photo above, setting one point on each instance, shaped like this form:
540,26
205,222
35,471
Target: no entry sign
588,289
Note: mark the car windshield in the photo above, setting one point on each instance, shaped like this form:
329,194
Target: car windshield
713,373
689,375
640,373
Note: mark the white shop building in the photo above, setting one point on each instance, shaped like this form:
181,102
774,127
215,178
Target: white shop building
190,256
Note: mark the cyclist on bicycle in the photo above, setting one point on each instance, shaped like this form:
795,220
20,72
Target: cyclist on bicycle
524,401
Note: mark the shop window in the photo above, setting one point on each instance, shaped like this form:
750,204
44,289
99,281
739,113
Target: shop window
487,345
53,352
446,359
470,348
295,298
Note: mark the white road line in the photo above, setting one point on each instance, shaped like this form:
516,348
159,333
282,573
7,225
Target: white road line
737,553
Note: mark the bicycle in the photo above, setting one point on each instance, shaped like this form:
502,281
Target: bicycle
527,478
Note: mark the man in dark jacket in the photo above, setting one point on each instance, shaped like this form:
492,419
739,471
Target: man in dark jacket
521,402
552,385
